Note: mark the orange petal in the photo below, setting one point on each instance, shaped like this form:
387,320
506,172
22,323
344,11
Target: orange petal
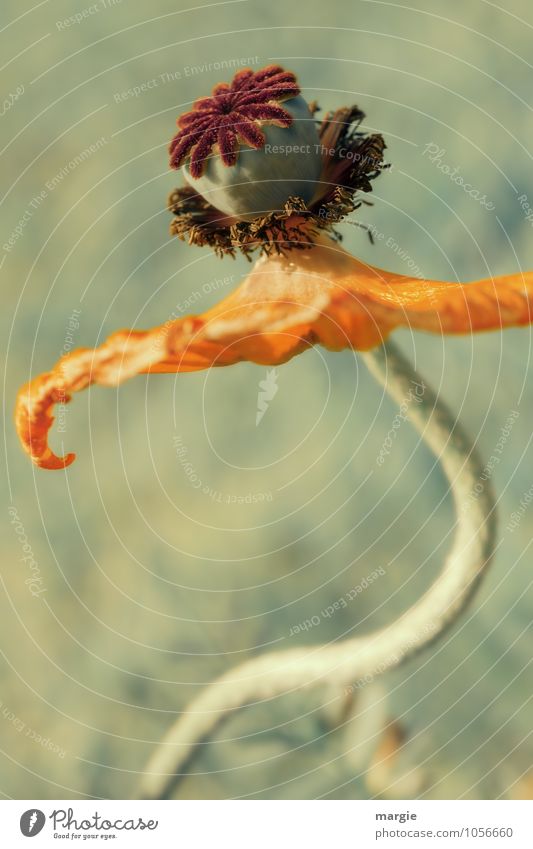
288,303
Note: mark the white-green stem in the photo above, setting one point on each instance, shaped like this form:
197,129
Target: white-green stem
352,662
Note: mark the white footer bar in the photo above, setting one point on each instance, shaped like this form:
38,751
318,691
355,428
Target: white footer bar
268,824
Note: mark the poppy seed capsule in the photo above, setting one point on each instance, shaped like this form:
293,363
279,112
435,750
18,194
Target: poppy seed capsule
262,180
251,146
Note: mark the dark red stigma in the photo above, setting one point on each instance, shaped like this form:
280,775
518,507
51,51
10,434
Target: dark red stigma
231,116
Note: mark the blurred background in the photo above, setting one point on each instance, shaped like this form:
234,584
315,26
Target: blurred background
156,569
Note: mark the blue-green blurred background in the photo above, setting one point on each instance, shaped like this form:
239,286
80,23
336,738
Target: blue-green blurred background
153,586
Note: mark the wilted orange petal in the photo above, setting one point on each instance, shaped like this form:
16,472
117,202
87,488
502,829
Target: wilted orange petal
287,303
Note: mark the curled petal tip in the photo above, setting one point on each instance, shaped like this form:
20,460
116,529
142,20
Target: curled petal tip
34,418
52,461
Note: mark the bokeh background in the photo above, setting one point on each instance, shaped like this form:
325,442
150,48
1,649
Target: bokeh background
152,584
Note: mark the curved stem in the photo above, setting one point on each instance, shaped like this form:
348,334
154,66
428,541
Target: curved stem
362,658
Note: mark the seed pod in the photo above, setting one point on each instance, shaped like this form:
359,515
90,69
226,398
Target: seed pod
244,152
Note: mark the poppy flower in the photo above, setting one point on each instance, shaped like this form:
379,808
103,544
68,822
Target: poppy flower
304,288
